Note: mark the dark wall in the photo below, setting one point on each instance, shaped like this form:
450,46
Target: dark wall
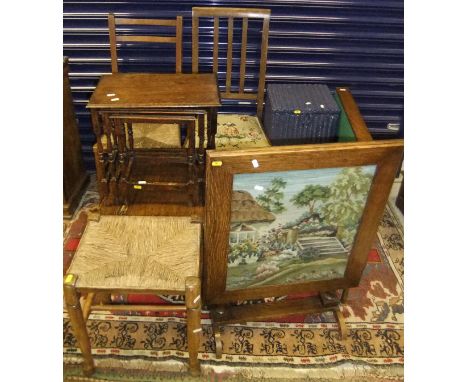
355,43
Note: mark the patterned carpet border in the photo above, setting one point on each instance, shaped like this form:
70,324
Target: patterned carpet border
308,347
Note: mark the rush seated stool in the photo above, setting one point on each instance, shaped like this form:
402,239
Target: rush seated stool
136,254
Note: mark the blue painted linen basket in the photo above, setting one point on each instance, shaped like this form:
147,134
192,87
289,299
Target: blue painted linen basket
300,113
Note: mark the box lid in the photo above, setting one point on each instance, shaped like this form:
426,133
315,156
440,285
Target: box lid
311,98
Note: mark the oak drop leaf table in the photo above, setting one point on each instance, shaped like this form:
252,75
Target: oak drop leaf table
148,94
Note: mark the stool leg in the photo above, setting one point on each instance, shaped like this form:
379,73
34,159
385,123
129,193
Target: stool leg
193,303
78,323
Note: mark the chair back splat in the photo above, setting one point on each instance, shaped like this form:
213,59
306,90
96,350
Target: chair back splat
231,14
115,38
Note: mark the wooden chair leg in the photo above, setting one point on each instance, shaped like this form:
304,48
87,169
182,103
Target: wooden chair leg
193,303
78,323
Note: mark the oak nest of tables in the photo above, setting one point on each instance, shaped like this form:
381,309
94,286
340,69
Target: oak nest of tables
133,94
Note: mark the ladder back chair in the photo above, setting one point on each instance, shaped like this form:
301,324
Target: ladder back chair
231,13
161,136
147,136
115,38
135,254
149,131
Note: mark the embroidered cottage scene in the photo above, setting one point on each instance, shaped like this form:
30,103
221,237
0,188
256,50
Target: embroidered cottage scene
294,226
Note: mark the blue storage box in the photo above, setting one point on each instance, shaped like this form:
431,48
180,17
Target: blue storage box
300,113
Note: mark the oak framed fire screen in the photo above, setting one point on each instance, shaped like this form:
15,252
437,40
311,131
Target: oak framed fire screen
290,219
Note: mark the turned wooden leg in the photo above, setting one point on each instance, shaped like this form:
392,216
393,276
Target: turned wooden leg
113,194
100,175
212,127
192,160
341,323
99,155
193,303
86,306
78,323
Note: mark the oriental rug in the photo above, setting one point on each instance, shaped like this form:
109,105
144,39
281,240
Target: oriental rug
153,346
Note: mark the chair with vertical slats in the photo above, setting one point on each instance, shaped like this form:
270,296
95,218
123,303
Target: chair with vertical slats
233,90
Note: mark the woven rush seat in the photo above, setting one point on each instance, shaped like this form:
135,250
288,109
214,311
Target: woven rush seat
137,252
153,135
150,136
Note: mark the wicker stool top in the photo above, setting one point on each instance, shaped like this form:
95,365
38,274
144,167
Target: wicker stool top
152,135
137,252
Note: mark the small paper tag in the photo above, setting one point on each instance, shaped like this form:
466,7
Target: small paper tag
217,163
142,182
137,187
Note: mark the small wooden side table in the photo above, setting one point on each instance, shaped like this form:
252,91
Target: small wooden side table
146,93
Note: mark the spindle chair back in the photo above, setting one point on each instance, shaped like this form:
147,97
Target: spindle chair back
231,13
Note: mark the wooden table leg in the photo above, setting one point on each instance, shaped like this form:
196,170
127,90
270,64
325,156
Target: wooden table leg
212,127
192,159
201,138
78,323
194,329
201,158
119,166
100,157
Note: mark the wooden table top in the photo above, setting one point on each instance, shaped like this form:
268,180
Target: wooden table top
154,90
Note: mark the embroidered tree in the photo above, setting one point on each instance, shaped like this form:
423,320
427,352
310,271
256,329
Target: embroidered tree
310,195
345,204
272,198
